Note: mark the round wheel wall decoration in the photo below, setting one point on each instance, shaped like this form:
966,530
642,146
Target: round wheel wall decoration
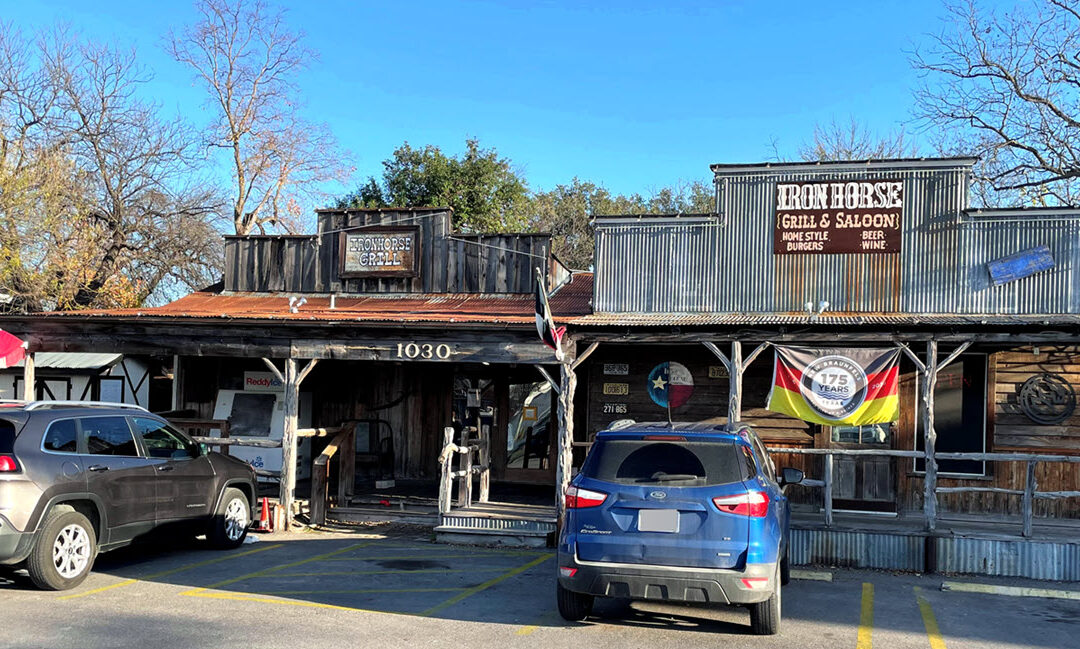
1047,399
670,384
834,386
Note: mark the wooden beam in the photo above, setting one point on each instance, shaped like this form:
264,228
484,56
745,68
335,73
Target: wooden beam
929,374
914,358
547,377
711,346
1030,487
565,460
346,464
585,354
307,370
29,381
952,357
288,439
446,482
274,370
735,373
754,354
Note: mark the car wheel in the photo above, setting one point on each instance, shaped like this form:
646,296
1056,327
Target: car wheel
785,569
765,616
229,526
573,607
64,551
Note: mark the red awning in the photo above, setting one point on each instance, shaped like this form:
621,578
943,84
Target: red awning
12,350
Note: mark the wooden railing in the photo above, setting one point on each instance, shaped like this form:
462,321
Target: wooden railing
1029,493
343,441
473,442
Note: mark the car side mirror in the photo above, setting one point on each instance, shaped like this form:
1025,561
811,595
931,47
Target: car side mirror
789,475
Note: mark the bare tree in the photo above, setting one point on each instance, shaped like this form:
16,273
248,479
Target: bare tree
1005,86
855,141
248,59
99,204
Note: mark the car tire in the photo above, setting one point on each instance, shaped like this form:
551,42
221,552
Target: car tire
64,551
765,616
229,525
785,569
573,607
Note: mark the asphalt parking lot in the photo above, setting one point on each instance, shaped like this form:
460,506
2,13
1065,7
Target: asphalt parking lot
374,590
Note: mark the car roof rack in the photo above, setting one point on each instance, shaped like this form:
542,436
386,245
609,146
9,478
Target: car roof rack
45,405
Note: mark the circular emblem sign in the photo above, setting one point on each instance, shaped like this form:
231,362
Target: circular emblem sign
670,384
1047,399
834,386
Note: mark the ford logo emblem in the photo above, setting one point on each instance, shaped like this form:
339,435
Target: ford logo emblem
659,495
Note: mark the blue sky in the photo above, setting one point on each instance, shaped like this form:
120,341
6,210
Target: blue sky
633,95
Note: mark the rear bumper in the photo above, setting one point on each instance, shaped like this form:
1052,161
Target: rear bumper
667,583
14,545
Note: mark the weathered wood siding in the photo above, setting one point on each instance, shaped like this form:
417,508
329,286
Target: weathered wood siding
1013,430
449,262
709,400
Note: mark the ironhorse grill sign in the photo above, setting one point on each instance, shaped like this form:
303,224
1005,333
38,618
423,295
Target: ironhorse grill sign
379,252
834,216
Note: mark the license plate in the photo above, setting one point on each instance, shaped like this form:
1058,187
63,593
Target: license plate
658,520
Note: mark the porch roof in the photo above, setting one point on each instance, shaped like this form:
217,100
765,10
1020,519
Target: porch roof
569,301
706,319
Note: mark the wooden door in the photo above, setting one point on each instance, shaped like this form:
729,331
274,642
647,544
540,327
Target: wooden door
863,483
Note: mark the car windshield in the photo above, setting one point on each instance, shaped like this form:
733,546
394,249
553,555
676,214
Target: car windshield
671,463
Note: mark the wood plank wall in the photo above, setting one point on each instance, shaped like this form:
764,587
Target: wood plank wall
449,263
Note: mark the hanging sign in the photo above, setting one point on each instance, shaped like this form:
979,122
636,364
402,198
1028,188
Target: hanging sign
670,385
836,386
379,252
823,217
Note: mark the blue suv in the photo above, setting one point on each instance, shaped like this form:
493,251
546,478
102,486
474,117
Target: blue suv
678,513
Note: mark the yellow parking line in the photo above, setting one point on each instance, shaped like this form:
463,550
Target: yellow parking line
487,584
266,571
866,618
929,621
420,557
345,573
165,573
527,630
287,602
360,591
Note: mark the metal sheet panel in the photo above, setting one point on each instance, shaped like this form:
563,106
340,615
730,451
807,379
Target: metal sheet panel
1019,558
857,549
728,265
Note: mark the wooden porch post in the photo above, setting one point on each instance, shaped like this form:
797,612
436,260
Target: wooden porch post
29,387
930,371
564,465
735,374
288,441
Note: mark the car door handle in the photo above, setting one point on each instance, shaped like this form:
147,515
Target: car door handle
98,467
166,467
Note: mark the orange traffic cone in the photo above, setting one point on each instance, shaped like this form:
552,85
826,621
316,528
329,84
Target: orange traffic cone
264,516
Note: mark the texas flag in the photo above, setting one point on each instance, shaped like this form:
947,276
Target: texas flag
12,350
670,385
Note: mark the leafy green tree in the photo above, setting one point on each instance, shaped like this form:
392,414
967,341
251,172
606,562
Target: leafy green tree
485,191
567,212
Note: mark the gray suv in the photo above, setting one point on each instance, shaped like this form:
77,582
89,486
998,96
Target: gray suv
79,478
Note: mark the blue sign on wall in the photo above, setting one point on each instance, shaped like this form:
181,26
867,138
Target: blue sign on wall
1020,265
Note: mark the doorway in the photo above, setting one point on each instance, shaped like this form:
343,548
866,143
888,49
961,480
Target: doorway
864,483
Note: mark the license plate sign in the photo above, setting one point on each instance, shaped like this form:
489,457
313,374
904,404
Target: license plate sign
658,520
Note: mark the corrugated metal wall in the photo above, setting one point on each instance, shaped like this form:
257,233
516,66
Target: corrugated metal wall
728,266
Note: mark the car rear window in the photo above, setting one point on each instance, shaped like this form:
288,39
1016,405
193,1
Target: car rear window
7,436
671,463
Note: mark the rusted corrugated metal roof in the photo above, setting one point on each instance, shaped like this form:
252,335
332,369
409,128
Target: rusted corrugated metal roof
849,319
571,300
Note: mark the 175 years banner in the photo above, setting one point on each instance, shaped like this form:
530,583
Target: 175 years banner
836,386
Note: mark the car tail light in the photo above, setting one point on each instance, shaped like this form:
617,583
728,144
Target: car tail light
578,498
756,582
665,438
8,464
754,504
567,572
